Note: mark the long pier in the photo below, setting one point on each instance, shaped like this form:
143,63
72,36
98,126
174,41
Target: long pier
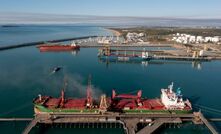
15,119
129,121
83,45
183,58
125,45
206,122
157,123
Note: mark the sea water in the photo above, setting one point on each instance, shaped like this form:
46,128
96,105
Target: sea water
26,72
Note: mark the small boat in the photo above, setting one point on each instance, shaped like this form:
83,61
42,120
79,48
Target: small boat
58,47
56,69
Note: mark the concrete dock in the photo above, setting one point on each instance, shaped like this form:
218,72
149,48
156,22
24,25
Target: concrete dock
182,58
129,121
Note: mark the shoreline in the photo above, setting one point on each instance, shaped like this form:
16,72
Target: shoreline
115,32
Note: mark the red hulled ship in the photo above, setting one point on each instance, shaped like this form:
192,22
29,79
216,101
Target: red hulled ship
169,102
58,47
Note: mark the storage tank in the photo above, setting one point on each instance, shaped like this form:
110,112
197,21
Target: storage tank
201,53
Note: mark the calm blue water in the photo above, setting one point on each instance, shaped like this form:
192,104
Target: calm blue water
25,73
26,33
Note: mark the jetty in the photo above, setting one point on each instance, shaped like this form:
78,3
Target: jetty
42,42
123,54
86,42
129,122
87,45
181,58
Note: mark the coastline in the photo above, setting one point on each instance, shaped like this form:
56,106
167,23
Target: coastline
115,32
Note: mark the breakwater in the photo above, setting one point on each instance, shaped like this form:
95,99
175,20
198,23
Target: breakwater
42,42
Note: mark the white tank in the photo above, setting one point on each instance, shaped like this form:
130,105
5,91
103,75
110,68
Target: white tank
201,53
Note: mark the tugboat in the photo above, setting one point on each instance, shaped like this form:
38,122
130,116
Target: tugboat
58,47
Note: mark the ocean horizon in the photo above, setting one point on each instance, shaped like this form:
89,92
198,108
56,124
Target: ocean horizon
119,21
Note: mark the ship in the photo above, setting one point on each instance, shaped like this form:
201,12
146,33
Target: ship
58,47
48,104
123,55
170,102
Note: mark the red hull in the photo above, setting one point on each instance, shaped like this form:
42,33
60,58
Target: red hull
71,103
117,102
44,48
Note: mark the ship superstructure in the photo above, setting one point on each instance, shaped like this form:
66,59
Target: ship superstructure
173,100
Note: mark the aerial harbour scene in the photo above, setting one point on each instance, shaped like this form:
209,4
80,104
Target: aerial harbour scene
122,67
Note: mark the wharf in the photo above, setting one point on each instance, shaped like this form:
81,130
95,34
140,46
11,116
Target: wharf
91,44
206,122
157,123
183,58
129,121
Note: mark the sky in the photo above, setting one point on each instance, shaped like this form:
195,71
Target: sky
144,8
108,12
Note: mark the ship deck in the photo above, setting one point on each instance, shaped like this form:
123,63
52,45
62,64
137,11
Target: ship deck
116,104
70,103
147,104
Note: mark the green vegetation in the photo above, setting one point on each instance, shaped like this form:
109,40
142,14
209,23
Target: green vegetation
161,34
167,31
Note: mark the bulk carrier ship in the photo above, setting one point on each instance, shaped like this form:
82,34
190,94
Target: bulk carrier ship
169,102
58,47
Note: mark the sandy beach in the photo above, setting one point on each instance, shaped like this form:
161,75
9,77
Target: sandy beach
115,32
